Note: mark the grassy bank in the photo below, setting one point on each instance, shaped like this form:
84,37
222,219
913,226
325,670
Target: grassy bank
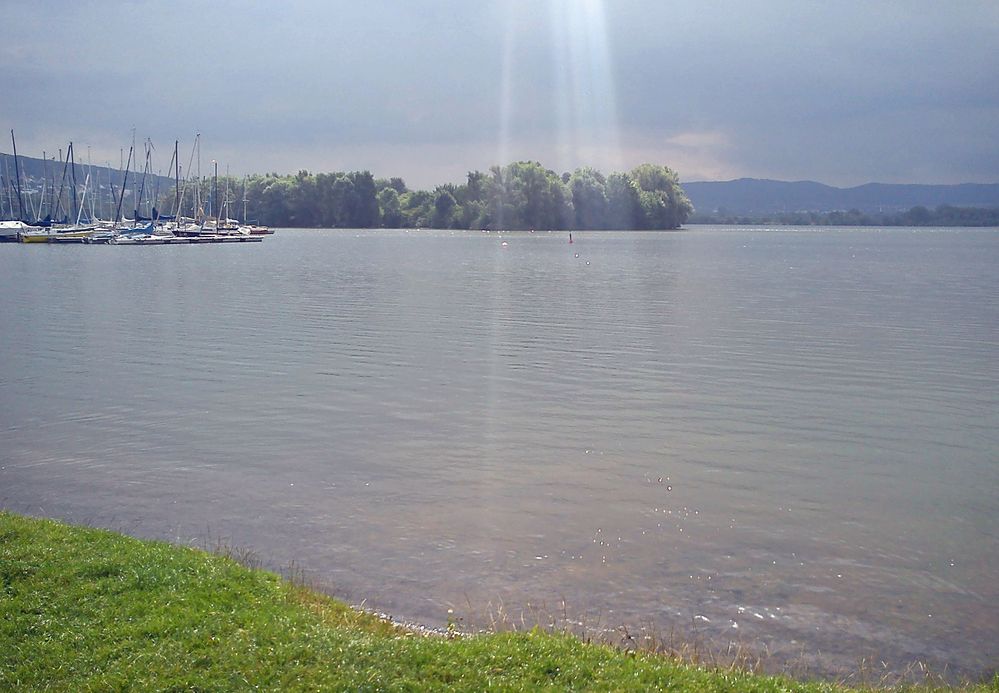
84,609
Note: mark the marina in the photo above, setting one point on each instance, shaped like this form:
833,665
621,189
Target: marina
73,217
160,240
97,236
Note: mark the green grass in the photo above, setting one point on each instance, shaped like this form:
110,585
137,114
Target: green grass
90,610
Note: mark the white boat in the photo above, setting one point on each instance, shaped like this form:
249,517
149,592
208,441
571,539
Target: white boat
256,230
12,230
100,237
137,239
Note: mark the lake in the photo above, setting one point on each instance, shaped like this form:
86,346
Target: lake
786,438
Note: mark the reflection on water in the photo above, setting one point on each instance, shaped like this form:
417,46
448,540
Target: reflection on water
776,437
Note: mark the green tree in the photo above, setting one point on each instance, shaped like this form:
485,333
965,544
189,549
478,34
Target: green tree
444,208
525,195
274,202
391,209
664,203
624,206
343,202
365,213
397,184
589,198
475,189
521,195
417,209
918,216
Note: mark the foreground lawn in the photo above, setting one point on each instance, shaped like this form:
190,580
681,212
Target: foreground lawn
84,609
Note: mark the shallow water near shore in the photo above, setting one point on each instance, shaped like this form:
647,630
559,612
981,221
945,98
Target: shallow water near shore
785,438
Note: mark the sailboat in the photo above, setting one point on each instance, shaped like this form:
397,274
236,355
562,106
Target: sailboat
189,226
64,232
252,229
11,230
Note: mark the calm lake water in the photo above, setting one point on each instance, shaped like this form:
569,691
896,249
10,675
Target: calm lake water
786,438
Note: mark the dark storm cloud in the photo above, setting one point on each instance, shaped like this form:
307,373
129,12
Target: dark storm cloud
843,93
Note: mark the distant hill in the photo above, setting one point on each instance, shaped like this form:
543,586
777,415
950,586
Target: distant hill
35,171
758,196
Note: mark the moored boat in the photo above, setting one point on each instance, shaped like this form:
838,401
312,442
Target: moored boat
55,235
256,230
10,231
137,239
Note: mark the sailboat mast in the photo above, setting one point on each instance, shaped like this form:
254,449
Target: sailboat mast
135,162
176,178
72,159
187,178
45,185
226,200
142,187
62,184
198,209
5,189
83,200
124,185
215,192
90,170
17,174
121,174
111,193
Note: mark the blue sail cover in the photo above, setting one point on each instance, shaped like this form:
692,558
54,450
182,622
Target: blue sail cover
156,216
46,222
148,228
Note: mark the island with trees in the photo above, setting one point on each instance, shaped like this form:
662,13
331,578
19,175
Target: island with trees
521,195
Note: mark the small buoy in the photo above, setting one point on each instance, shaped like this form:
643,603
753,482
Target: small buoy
504,244
570,238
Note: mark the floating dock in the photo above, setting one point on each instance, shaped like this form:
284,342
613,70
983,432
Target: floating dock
177,240
155,240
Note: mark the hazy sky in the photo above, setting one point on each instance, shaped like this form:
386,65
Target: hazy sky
840,92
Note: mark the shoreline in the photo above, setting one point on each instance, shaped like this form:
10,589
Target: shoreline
679,652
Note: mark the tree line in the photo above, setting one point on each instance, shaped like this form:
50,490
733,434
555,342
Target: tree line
943,215
521,195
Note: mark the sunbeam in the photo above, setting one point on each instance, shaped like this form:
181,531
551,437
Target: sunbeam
583,118
585,97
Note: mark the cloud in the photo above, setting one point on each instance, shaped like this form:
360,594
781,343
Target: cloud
844,93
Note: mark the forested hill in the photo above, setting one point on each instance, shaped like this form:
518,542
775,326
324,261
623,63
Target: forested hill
753,197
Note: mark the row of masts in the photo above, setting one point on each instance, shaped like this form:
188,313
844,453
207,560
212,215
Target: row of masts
71,205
